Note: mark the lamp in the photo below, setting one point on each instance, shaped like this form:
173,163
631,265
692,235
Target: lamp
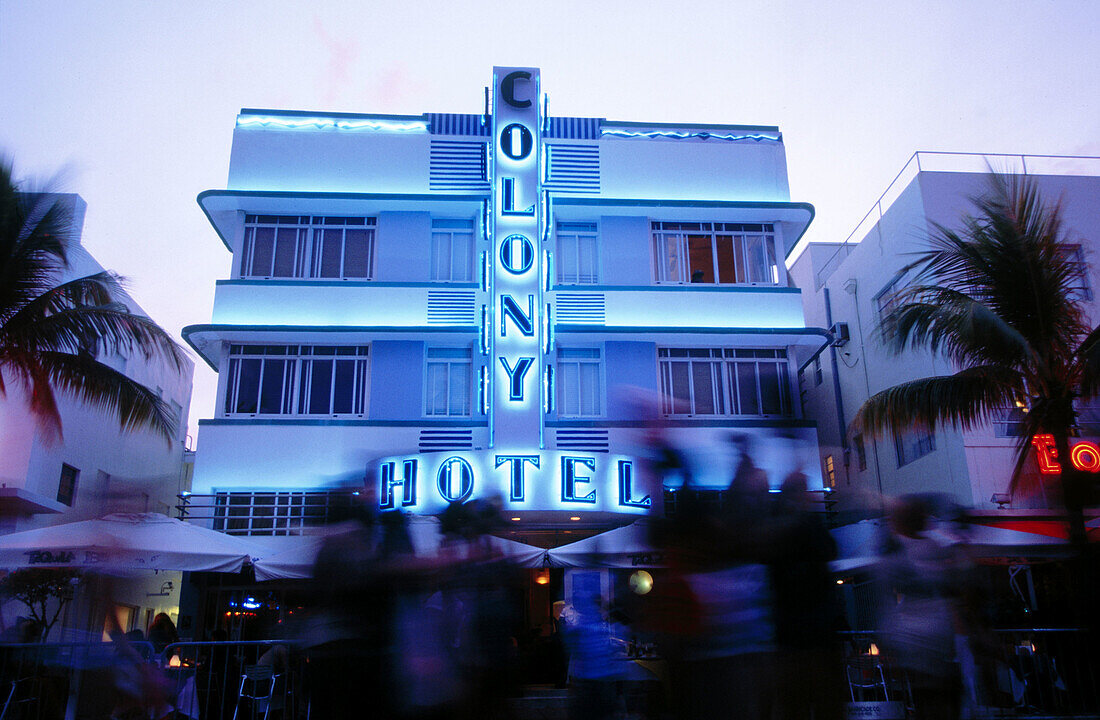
165,590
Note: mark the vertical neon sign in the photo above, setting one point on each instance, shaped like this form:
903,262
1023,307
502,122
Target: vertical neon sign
516,286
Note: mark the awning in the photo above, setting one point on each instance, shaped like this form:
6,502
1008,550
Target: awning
625,547
297,561
126,541
858,544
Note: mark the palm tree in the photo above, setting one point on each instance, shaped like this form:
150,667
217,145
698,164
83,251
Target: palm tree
999,299
52,329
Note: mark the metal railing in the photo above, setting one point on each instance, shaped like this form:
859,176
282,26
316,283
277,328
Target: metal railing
1011,673
200,680
923,161
265,512
1016,673
236,680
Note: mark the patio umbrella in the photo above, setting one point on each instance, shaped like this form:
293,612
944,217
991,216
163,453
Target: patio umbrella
625,547
126,541
297,561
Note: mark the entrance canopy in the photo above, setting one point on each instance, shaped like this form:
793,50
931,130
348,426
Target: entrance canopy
297,560
126,541
625,547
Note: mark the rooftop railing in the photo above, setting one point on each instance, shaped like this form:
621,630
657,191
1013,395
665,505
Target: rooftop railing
922,161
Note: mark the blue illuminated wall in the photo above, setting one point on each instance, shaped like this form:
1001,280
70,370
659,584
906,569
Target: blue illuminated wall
629,365
403,250
625,237
397,379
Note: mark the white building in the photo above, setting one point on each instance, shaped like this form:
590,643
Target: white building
852,283
468,306
96,468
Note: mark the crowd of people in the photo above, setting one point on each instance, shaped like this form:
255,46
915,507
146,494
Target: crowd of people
743,619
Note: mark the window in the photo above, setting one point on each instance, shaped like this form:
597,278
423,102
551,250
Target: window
176,412
297,380
579,387
66,486
452,250
578,254
447,387
887,300
1008,422
912,444
830,472
861,451
1080,286
722,253
724,381
304,246
276,513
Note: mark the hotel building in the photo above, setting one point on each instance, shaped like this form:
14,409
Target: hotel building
461,306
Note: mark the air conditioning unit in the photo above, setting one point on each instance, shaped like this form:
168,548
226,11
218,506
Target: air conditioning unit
840,334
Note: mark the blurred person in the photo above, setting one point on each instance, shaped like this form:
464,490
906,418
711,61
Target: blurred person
484,586
348,637
806,608
162,632
728,665
587,637
918,631
25,630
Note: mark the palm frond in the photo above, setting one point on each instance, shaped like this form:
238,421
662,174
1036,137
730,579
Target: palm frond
964,399
103,388
945,320
60,321
36,232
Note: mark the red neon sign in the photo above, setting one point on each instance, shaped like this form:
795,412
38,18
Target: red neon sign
1085,456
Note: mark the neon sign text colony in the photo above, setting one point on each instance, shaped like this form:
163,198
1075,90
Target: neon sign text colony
1085,455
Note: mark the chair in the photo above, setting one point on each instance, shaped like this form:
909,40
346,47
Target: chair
866,674
258,688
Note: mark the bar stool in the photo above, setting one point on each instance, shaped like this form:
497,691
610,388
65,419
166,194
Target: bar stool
866,675
258,688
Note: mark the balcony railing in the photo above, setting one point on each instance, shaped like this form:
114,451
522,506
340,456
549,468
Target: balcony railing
266,512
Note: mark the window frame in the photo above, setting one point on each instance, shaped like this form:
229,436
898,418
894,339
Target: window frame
861,451
466,360
294,393
68,497
576,231
311,235
725,386
281,512
886,300
560,382
451,227
1074,253
666,234
921,441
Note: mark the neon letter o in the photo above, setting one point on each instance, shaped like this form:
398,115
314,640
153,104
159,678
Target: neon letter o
1085,456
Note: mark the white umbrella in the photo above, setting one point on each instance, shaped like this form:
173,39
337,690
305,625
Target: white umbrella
297,562
126,541
625,547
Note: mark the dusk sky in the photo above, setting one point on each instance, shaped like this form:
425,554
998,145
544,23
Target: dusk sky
135,102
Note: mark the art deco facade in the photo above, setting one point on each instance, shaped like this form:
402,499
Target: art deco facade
460,306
